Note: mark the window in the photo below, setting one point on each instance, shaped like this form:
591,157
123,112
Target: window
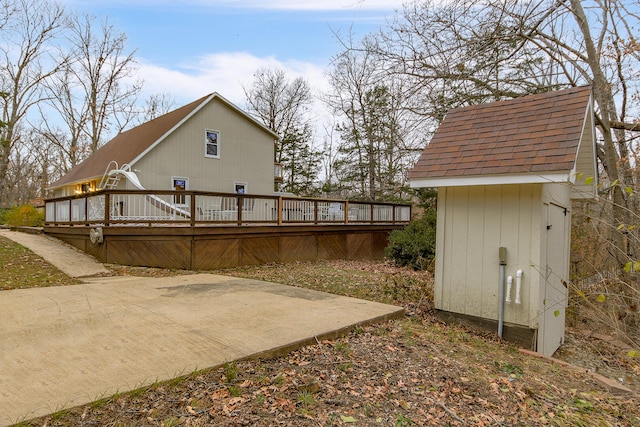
179,184
212,144
240,187
85,187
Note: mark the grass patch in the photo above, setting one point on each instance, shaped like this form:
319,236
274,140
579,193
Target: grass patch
21,268
370,280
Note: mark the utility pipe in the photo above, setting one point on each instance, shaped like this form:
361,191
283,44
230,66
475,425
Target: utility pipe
509,283
518,285
502,256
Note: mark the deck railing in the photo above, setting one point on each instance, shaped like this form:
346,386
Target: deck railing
129,207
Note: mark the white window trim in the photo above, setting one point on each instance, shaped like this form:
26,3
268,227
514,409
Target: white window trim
186,188
206,142
244,184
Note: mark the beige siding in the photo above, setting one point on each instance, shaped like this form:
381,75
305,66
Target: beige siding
473,222
246,155
585,167
552,301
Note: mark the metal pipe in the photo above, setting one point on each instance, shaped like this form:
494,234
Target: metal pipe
502,256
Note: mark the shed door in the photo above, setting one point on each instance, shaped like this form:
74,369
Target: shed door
551,333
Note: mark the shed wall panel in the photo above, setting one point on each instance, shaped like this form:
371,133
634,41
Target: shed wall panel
475,222
490,245
459,255
475,251
442,228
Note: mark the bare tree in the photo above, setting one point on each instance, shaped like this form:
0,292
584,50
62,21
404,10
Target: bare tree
91,95
283,106
600,49
465,52
375,148
25,64
155,106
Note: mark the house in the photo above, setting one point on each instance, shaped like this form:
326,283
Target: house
506,174
207,145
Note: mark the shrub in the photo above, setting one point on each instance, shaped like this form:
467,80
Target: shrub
415,245
25,215
3,214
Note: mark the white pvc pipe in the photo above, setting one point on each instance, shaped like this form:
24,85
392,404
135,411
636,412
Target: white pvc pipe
509,283
519,274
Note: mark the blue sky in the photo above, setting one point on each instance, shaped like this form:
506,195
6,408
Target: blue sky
193,47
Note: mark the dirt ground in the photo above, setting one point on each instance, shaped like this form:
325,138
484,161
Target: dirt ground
413,371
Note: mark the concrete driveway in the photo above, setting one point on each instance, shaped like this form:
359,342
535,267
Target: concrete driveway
66,346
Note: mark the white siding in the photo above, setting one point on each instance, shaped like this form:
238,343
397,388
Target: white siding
473,223
552,307
585,166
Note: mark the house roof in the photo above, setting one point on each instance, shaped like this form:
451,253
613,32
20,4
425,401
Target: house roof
129,146
534,138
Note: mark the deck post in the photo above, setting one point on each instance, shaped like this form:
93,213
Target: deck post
279,210
107,207
346,212
240,203
193,209
86,210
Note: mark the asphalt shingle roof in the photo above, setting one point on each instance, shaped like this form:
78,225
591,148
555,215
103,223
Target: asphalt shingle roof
532,134
128,145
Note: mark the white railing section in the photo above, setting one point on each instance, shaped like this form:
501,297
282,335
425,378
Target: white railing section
195,208
359,212
149,207
403,213
95,207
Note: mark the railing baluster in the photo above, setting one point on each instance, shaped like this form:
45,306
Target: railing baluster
195,208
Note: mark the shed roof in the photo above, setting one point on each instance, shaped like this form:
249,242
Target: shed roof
534,138
131,145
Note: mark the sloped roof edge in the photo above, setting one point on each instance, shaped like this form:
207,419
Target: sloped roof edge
131,145
209,98
472,180
534,138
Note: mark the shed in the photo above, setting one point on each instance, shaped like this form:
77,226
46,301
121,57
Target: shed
506,174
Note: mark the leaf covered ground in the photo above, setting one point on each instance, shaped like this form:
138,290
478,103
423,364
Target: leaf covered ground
21,268
408,372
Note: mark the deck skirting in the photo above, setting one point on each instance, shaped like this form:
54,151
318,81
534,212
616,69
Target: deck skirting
215,247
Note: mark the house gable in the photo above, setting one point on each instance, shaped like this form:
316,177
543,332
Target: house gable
131,146
245,154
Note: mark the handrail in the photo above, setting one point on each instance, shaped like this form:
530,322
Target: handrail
197,208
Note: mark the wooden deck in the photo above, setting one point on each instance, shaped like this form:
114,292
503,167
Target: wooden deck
208,248
220,231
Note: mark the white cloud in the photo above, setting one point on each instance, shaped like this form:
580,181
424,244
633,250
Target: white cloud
225,73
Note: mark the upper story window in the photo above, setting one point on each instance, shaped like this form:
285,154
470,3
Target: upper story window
212,144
